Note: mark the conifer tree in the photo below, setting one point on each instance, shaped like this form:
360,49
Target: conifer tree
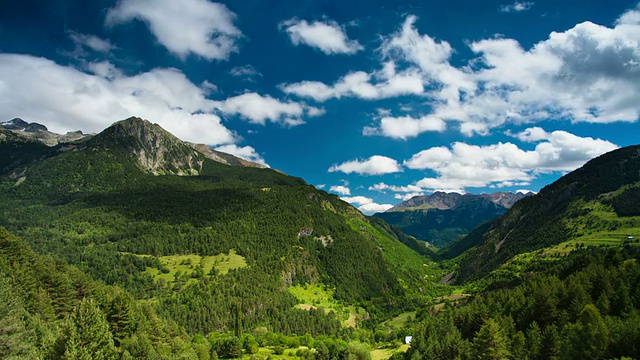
490,343
88,335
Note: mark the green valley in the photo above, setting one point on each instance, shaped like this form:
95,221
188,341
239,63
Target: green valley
134,244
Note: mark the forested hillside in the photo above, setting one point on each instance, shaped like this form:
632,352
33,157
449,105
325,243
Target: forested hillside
588,204
582,306
104,206
133,244
441,217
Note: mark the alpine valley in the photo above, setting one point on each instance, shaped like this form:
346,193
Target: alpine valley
132,243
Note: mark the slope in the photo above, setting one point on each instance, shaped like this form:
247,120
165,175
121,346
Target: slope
560,212
442,217
112,206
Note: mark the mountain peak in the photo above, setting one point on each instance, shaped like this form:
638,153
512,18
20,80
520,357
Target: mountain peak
445,201
160,152
39,132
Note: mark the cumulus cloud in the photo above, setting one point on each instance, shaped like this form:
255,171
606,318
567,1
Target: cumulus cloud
358,200
407,196
340,189
588,73
259,109
66,99
518,6
382,187
327,36
379,85
372,208
244,152
198,27
504,164
404,127
375,165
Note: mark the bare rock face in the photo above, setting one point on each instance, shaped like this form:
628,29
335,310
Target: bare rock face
160,152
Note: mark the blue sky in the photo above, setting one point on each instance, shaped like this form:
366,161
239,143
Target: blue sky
376,101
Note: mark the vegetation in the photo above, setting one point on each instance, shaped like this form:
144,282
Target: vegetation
249,263
585,306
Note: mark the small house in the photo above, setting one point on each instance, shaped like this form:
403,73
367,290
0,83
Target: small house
407,339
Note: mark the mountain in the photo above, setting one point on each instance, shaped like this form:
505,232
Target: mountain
442,217
40,132
593,204
209,244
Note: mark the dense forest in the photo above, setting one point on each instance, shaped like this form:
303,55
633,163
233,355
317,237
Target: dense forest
131,244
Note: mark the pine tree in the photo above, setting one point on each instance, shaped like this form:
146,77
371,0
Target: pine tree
490,342
87,335
587,338
14,335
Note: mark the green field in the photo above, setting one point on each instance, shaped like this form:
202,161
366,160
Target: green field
319,296
380,354
400,320
185,265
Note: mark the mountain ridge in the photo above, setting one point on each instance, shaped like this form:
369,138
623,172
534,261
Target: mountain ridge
441,217
150,154
446,201
100,205
546,218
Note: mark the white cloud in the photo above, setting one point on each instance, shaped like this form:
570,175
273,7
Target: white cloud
404,127
66,99
517,6
198,27
589,73
375,165
525,191
321,186
246,72
382,187
358,200
407,196
631,17
532,134
91,41
372,208
340,189
244,152
259,109
328,36
379,85
504,164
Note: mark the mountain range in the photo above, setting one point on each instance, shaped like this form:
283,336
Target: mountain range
442,217
118,204
132,243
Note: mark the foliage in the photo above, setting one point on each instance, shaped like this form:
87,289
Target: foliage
585,306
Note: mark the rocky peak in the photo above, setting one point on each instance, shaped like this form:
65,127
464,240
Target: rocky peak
39,132
155,149
160,152
446,201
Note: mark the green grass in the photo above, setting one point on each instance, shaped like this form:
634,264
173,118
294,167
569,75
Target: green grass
381,354
400,320
596,225
319,296
186,264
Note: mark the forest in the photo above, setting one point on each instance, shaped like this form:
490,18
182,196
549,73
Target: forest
102,259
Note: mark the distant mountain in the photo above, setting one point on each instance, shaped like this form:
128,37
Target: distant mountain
591,203
40,132
442,217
